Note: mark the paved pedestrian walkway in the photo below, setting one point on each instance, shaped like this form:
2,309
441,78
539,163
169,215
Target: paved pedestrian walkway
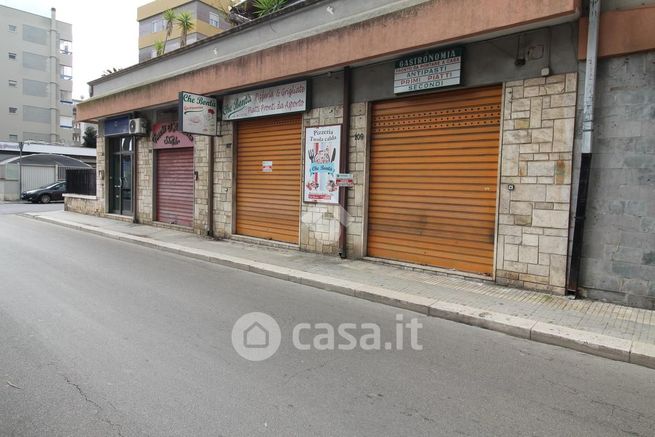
614,331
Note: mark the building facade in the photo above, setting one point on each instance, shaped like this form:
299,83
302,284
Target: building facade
208,20
37,77
455,137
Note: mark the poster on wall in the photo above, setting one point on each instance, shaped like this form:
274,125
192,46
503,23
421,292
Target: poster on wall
168,136
197,114
281,99
322,158
432,69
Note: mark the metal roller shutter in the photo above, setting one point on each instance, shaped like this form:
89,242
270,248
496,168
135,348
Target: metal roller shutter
268,203
433,178
175,186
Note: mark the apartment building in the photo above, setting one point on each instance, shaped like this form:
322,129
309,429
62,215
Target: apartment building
36,77
207,21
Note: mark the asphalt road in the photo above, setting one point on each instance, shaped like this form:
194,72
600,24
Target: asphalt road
101,337
22,207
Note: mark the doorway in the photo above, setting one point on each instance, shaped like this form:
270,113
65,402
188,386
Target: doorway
120,175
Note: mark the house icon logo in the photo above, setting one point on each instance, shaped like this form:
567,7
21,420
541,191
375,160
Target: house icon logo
256,336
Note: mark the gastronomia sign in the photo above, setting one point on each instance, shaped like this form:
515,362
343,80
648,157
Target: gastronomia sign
432,69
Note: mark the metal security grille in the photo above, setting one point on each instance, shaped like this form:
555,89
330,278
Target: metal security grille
433,178
268,199
175,186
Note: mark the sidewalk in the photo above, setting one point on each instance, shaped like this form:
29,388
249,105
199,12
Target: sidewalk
607,330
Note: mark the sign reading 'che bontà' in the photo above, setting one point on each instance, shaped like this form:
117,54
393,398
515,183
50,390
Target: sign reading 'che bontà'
281,99
432,69
197,114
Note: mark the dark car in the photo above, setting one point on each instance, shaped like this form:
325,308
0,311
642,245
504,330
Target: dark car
45,194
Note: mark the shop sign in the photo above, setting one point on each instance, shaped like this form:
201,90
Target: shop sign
432,69
274,100
197,114
167,136
344,180
117,126
322,158
267,166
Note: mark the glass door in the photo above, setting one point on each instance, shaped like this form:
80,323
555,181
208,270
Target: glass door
120,175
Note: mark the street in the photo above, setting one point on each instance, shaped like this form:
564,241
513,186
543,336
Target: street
105,338
22,207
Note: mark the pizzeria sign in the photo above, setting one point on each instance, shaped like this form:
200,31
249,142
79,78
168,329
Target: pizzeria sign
281,99
431,69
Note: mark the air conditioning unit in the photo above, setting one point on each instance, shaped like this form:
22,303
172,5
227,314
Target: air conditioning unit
138,126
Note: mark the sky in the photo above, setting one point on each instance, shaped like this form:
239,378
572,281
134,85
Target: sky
105,34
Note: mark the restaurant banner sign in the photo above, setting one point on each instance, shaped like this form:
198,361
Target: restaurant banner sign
281,99
197,114
431,69
167,136
322,157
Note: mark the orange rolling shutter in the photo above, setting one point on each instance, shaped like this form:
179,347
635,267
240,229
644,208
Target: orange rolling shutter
268,202
433,178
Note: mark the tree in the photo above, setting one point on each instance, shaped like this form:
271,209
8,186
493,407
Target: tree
90,137
185,23
159,47
169,17
265,7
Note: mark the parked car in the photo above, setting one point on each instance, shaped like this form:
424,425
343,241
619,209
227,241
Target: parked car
46,193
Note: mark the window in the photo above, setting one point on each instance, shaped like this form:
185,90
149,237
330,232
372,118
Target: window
158,25
35,35
66,72
12,28
36,115
35,88
13,137
12,56
65,121
13,110
214,20
65,96
13,83
35,62
65,47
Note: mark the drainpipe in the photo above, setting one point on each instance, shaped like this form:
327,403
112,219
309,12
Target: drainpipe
54,78
210,188
135,178
343,165
585,162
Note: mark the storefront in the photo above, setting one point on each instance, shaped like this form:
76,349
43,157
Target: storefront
174,174
433,179
268,160
120,166
450,155
268,178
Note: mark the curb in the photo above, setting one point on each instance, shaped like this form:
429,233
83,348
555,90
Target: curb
614,348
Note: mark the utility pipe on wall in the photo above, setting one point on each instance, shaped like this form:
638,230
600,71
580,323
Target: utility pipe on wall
210,188
586,149
343,167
